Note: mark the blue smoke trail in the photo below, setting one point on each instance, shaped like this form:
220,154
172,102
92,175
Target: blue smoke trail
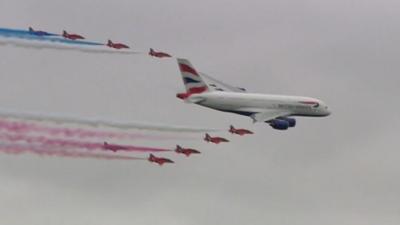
24,34
27,39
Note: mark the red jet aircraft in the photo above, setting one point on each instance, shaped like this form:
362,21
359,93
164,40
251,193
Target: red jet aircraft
116,45
114,148
240,132
160,161
39,32
186,151
71,36
215,140
158,54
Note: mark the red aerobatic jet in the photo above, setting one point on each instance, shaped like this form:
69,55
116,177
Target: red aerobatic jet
158,54
215,140
72,36
186,151
240,132
160,161
116,45
39,32
113,147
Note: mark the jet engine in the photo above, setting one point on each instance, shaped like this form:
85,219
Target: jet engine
291,121
279,124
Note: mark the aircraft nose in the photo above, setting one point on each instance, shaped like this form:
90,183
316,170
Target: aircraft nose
327,112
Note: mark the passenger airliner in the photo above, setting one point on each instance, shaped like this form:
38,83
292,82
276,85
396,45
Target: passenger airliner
276,110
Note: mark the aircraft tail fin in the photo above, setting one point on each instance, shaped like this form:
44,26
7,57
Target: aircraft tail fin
191,78
151,157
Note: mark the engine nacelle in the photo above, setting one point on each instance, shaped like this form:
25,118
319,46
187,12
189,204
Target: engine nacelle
291,121
279,124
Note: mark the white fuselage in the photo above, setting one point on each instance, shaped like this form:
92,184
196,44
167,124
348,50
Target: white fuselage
248,103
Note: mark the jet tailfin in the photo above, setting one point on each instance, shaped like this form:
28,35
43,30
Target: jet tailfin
231,128
151,158
194,84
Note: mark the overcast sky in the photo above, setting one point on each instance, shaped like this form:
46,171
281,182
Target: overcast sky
342,169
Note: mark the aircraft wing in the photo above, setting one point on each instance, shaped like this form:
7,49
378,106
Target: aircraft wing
219,85
195,99
268,115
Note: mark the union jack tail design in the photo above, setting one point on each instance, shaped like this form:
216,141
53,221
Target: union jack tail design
191,78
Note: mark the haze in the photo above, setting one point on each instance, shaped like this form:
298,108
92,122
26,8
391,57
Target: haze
342,169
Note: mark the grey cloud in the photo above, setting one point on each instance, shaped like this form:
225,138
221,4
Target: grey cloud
337,170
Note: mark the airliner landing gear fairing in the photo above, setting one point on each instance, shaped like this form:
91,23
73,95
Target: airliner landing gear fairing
276,110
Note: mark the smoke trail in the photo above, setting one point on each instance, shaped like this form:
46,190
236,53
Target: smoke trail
24,127
43,151
40,44
104,123
48,142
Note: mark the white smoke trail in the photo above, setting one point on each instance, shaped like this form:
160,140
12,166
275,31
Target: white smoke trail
101,123
29,127
35,44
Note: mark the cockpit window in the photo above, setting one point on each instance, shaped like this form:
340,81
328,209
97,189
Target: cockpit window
316,105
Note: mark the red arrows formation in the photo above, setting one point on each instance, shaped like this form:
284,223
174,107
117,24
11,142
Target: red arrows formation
179,149
110,43
116,147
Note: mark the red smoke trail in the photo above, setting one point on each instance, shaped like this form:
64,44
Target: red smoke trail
19,149
23,127
74,144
